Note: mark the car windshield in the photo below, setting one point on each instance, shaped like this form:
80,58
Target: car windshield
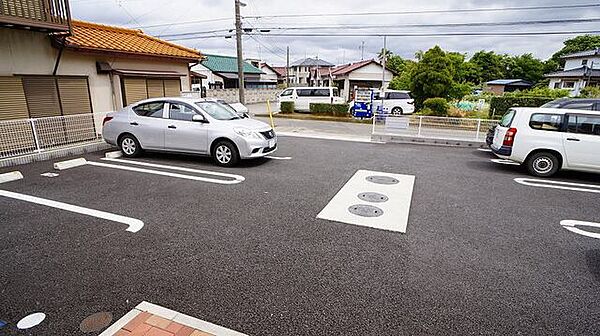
217,111
227,106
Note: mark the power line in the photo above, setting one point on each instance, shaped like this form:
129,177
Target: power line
435,11
185,23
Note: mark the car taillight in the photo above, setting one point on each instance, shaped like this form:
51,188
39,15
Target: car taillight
509,138
106,119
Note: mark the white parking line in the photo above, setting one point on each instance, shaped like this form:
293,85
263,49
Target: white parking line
570,225
505,162
279,157
134,225
235,178
591,188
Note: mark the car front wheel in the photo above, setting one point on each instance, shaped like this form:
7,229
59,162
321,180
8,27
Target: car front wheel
225,154
543,164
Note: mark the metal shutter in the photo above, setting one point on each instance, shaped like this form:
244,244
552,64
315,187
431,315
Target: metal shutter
172,87
42,96
12,99
155,88
134,89
74,95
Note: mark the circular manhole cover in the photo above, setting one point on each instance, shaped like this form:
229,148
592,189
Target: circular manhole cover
373,197
382,179
365,210
96,322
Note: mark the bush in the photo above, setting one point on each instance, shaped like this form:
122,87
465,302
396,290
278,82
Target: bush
499,105
544,92
337,110
437,106
287,107
590,92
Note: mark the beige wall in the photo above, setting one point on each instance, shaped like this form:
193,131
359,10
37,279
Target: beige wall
495,89
31,53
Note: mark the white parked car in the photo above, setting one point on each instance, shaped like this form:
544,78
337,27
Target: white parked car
303,96
395,102
547,140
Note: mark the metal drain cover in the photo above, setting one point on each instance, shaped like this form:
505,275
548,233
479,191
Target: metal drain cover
96,322
365,210
382,179
373,197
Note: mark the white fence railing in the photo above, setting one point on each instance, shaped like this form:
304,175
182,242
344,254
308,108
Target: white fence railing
460,129
26,136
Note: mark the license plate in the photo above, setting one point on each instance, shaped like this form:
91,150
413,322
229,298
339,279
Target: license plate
271,143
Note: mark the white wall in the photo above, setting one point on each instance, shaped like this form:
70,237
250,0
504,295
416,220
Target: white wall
579,85
210,76
268,74
371,72
575,63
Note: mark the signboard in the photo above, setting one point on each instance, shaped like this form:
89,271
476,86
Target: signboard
363,103
396,124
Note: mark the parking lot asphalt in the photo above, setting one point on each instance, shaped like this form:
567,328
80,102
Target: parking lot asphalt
482,255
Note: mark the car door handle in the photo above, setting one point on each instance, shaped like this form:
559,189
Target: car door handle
573,139
133,123
172,126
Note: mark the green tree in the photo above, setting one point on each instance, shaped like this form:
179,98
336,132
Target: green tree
526,67
459,90
402,80
492,65
456,59
470,72
384,53
395,63
576,44
432,76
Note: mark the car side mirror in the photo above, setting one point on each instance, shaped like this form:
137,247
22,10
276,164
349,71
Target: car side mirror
199,118
245,115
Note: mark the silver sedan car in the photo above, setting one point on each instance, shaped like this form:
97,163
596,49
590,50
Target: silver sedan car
188,125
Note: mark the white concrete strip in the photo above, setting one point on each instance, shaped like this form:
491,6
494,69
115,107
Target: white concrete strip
112,330
505,162
113,155
133,225
395,210
11,176
234,178
591,188
487,150
279,157
325,136
189,321
570,225
69,164
49,174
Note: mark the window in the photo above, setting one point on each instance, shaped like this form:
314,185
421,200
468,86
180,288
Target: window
287,92
557,85
321,92
507,118
181,112
217,111
584,62
568,85
397,95
336,92
589,106
546,122
303,92
584,124
152,110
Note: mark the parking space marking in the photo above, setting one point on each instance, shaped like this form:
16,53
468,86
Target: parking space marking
11,176
234,178
591,188
373,199
133,225
505,162
570,225
278,157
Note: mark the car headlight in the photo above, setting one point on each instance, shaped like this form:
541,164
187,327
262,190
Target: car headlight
246,133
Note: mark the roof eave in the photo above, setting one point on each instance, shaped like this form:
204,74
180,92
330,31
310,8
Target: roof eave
129,53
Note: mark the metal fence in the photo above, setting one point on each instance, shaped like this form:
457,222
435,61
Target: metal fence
460,129
26,136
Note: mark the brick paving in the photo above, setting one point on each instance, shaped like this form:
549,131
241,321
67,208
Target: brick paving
146,324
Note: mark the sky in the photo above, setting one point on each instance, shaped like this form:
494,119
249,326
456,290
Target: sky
173,16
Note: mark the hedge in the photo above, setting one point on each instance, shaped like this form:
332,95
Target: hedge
287,107
500,105
438,106
338,110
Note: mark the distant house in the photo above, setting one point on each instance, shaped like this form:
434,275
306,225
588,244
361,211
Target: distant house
222,73
282,74
499,86
302,71
351,76
270,74
581,69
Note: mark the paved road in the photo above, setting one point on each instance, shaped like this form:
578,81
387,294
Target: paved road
482,254
315,127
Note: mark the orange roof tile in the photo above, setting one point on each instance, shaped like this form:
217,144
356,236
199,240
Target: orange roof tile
99,37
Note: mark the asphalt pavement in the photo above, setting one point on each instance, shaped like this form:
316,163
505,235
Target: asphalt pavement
482,255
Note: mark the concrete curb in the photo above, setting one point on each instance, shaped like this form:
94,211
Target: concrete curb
77,149
425,141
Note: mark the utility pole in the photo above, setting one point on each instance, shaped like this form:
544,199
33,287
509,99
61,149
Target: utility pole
287,68
240,60
382,94
362,51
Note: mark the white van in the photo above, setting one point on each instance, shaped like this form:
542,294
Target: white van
303,96
547,140
395,102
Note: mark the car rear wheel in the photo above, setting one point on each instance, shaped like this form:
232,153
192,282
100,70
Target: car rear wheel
130,146
225,154
397,111
543,164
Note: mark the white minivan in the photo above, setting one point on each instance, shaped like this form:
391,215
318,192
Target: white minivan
396,102
303,96
547,140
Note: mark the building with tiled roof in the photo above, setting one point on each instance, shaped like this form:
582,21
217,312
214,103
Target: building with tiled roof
581,69
222,73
